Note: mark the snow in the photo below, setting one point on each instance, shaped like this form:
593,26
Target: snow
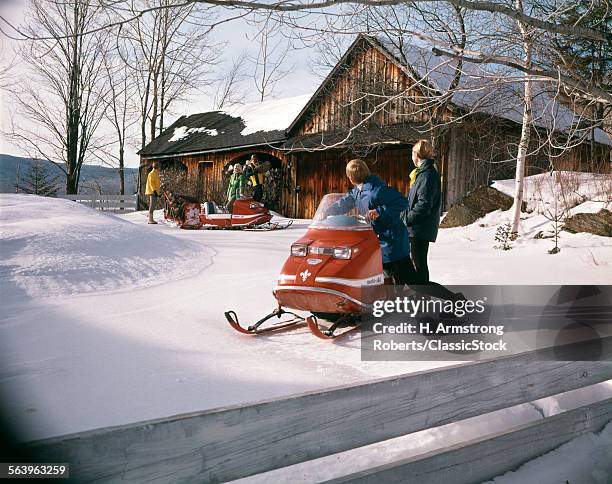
57,248
272,115
108,352
563,190
584,460
107,320
182,132
584,258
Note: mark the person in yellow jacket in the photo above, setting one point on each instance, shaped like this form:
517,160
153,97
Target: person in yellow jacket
153,190
253,175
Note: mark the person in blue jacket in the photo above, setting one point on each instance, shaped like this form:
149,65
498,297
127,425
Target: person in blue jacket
382,206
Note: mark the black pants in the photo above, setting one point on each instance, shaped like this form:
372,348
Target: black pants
257,193
419,249
418,252
401,270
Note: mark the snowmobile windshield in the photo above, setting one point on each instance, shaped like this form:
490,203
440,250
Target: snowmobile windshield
331,215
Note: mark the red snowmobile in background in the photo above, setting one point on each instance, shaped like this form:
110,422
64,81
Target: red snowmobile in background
247,214
334,271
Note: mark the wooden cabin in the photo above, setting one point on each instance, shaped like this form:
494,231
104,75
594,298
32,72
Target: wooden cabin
375,104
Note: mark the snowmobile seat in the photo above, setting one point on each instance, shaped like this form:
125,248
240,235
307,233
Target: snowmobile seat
209,208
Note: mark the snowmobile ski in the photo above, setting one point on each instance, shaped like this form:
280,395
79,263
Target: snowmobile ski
269,226
344,325
232,319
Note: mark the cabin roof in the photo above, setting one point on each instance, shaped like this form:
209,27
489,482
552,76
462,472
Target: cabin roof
493,90
481,89
376,135
253,124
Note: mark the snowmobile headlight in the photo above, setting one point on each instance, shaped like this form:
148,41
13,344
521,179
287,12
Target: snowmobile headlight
299,250
321,250
255,205
342,252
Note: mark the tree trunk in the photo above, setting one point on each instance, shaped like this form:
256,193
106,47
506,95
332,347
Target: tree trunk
525,131
72,185
121,172
143,121
73,115
154,110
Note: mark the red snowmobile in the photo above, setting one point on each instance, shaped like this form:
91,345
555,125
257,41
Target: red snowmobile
334,272
247,214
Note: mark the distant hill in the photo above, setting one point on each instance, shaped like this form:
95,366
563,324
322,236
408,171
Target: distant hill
107,178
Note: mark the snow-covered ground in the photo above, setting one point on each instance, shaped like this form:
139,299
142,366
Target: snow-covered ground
563,190
152,344
107,320
584,460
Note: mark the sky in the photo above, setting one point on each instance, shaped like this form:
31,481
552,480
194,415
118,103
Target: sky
235,34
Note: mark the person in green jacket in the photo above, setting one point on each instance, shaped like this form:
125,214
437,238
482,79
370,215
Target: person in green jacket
235,189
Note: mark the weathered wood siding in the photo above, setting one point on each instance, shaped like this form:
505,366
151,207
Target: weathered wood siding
580,158
322,172
370,82
482,150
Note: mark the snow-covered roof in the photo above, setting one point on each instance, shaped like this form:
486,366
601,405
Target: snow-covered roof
276,114
240,125
482,89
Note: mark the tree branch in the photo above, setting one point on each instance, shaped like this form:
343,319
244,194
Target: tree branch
590,92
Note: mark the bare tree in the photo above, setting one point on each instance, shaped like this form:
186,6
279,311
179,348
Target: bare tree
122,113
228,91
269,62
546,23
515,55
424,103
511,42
396,25
7,79
170,57
63,98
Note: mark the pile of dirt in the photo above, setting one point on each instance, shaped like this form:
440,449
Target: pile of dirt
475,205
599,223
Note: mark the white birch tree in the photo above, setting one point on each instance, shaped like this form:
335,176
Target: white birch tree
523,147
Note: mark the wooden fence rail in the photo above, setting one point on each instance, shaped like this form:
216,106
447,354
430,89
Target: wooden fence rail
239,441
112,203
485,458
